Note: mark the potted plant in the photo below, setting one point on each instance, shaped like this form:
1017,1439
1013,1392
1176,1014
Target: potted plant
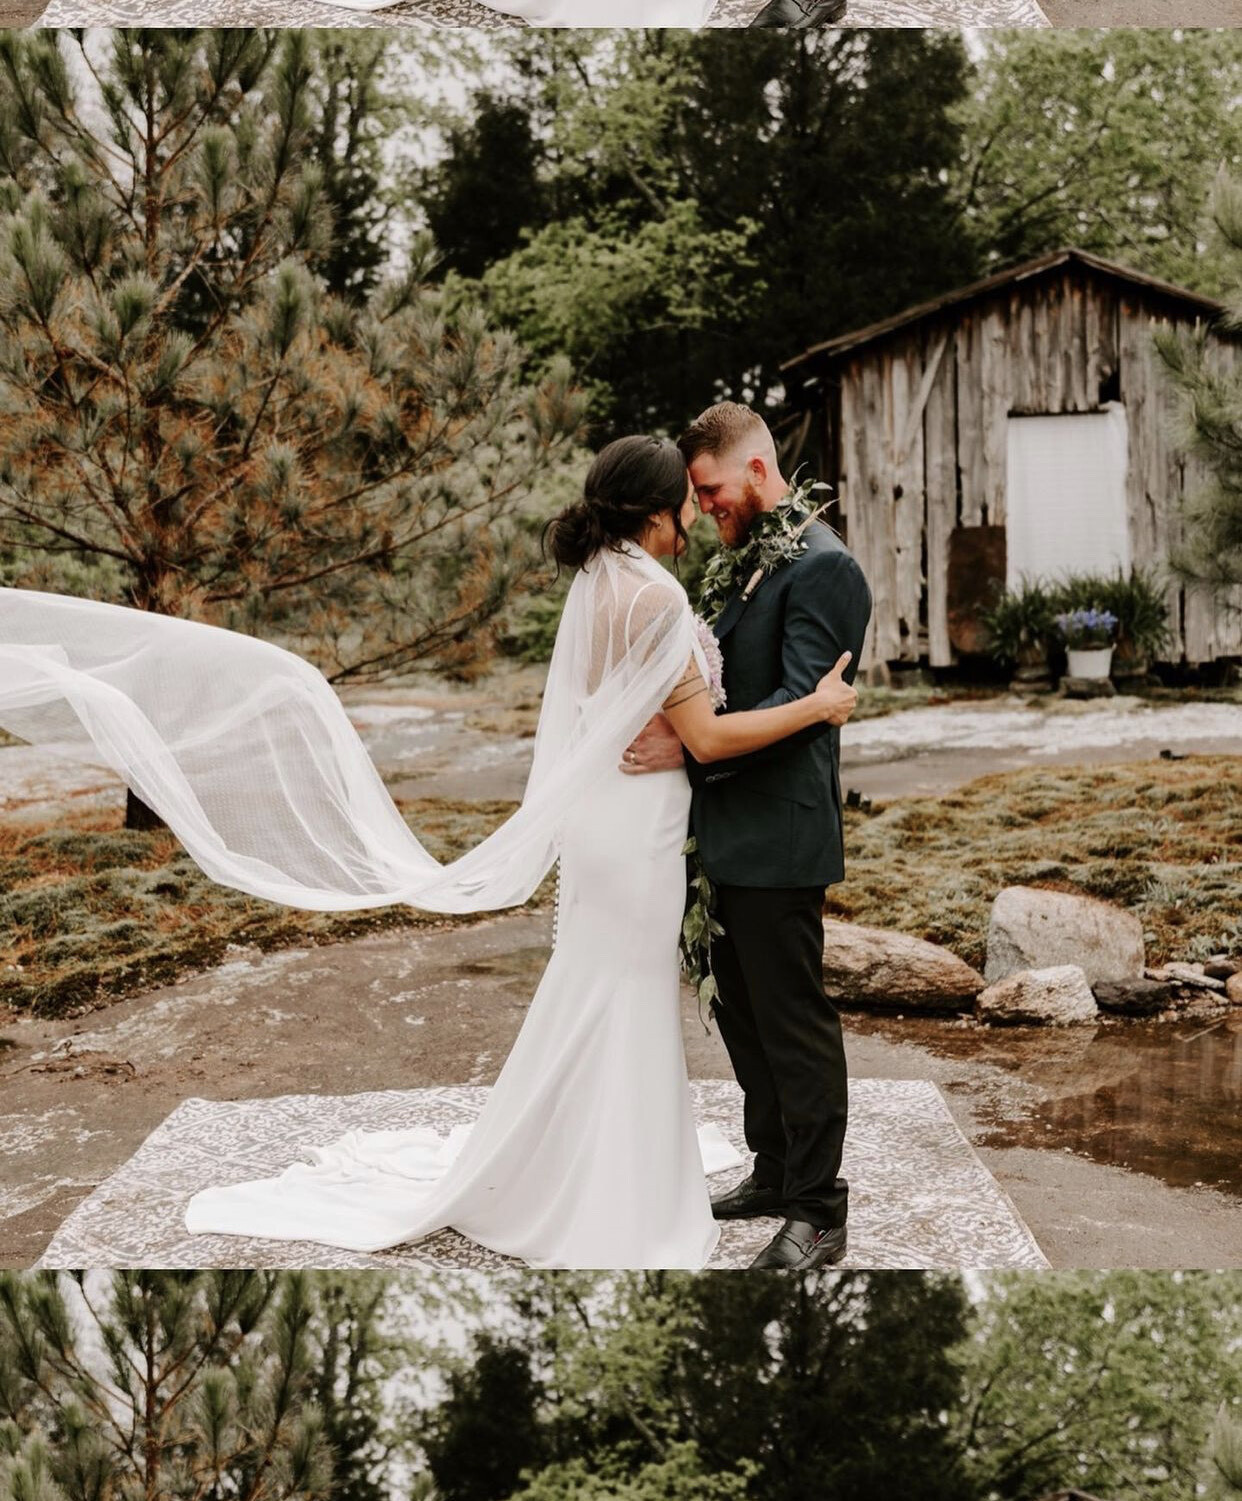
1019,622
1142,610
1089,635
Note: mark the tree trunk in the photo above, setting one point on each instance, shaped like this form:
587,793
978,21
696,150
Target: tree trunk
138,815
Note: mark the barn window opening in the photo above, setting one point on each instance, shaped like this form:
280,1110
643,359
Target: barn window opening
1066,502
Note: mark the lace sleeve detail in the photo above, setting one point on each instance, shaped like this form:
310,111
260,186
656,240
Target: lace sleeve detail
633,622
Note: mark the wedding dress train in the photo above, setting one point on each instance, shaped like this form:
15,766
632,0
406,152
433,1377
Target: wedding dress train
585,1154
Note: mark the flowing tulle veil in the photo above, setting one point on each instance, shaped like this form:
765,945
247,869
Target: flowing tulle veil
245,750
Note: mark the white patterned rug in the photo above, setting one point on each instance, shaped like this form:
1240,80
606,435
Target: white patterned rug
458,13
919,1196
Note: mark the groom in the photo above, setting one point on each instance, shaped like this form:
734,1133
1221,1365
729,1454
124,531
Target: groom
768,827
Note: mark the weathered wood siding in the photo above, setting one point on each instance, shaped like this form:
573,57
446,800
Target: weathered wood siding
923,443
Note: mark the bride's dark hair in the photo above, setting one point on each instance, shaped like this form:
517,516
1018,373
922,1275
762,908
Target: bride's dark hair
631,480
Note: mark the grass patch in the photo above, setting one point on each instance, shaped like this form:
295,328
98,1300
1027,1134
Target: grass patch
91,912
1163,839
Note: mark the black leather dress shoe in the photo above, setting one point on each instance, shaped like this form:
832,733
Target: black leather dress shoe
746,1200
801,15
801,1247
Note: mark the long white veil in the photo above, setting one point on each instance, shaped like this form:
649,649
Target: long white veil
245,751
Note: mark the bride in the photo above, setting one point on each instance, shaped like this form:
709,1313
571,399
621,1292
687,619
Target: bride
585,1153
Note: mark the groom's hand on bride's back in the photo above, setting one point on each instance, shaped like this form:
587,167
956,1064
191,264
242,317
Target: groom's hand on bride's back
656,748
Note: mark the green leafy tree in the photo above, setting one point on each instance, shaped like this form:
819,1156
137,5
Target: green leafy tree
836,1383
775,1388
478,204
487,1430
1097,1381
157,1386
1106,140
709,203
1211,418
183,400
679,1476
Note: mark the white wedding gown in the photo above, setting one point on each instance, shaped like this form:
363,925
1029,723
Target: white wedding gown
585,1154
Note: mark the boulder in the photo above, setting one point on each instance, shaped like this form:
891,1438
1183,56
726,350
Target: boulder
1133,997
879,967
1034,929
1221,969
1058,996
1233,989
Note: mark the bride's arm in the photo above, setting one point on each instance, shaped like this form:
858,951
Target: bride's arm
712,737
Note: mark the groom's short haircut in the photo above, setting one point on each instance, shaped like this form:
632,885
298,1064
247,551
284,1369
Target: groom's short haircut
720,429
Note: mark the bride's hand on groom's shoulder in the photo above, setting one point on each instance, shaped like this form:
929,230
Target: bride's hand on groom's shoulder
656,748
835,696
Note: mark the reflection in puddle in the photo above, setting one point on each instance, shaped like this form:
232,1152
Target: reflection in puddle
1157,1098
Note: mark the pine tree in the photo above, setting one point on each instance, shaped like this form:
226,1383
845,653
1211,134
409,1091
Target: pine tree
158,1386
190,417
1211,411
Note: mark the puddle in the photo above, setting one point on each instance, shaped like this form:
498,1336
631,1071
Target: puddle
1158,1098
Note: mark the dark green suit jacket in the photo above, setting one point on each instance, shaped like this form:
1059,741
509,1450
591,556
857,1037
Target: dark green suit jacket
773,818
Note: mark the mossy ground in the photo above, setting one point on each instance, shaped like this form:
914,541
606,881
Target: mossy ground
91,912
1163,839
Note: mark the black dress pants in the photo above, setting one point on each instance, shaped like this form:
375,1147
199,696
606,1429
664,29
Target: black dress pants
784,1040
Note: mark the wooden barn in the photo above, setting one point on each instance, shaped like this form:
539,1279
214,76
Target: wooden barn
1019,427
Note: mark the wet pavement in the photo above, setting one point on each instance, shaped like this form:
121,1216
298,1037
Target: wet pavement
442,1006
1120,1145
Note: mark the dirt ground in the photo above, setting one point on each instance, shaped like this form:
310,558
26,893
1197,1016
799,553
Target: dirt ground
410,1010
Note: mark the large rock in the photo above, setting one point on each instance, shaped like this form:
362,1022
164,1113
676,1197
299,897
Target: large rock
1058,996
1233,989
1033,929
879,967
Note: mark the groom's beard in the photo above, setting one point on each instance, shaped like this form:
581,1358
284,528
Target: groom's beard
734,527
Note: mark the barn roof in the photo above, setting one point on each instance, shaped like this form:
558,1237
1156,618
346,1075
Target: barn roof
1029,270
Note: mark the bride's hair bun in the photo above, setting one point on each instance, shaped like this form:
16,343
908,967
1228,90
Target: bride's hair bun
631,480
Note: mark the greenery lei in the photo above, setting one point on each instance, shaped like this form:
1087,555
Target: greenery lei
770,544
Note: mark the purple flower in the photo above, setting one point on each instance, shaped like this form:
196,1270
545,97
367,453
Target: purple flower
715,662
1087,628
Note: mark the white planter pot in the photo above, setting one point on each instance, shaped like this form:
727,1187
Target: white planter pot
1093,663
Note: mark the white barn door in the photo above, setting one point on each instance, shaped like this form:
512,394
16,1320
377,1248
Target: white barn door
1066,502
